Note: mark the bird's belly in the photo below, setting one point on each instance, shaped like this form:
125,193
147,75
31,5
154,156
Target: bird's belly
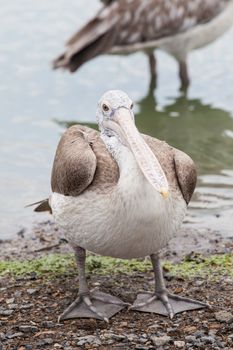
119,224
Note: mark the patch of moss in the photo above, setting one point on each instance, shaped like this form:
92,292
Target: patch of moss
213,266
64,264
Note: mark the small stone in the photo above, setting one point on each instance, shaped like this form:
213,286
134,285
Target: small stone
4,312
31,291
118,337
27,329
1,346
141,347
48,324
2,336
43,342
160,341
10,301
124,324
198,334
18,294
191,339
224,316
26,306
131,337
89,339
13,306
180,344
208,339
14,335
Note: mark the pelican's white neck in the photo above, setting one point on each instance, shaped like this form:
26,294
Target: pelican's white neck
122,155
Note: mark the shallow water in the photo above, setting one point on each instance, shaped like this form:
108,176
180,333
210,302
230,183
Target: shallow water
36,103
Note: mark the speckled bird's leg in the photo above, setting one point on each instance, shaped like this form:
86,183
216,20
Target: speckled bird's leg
161,301
184,76
90,304
153,65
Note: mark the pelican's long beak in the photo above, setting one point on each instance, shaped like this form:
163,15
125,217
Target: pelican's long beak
143,154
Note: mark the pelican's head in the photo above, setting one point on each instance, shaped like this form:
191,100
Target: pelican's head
116,119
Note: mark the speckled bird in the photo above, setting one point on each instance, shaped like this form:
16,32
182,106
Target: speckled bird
127,26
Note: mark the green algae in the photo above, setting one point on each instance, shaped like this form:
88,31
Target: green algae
213,266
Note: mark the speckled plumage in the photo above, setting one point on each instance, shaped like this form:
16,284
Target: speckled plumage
131,25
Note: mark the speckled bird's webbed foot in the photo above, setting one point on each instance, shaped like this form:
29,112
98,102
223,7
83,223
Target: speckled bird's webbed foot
165,304
96,305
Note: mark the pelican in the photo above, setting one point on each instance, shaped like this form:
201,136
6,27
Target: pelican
122,194
126,26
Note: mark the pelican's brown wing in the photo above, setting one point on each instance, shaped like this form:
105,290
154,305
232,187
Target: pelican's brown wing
179,168
82,161
186,174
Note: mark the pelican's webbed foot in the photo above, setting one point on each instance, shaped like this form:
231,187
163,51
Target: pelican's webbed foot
96,304
165,303
91,304
161,301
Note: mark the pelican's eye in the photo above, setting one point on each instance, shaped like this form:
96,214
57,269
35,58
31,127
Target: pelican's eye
131,106
105,107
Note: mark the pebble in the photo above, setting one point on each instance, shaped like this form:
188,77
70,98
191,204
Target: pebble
18,294
31,291
4,312
2,336
160,341
191,339
224,316
90,339
28,328
13,306
118,337
10,301
208,339
141,347
1,346
48,324
26,306
180,344
14,335
43,342
198,334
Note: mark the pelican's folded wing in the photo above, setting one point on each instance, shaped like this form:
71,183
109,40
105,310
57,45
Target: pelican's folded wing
186,174
74,163
179,168
82,161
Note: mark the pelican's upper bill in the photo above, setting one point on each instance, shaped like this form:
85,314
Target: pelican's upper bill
116,119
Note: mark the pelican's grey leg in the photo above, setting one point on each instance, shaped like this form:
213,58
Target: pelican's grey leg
184,76
91,304
161,301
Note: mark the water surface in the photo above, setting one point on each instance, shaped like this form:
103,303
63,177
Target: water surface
37,102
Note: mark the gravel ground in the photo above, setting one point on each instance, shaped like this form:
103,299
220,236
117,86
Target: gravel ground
29,310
